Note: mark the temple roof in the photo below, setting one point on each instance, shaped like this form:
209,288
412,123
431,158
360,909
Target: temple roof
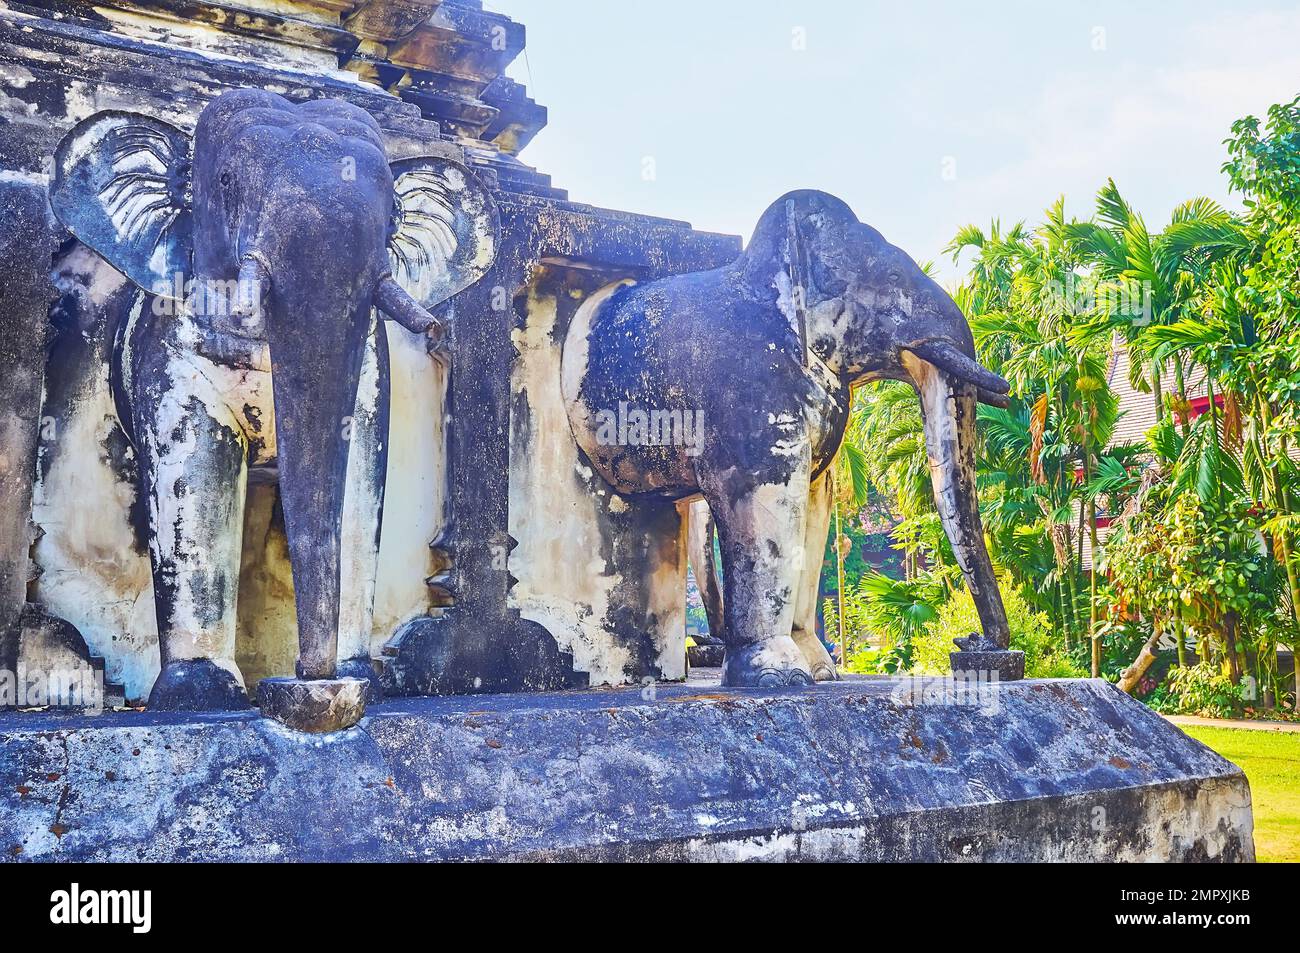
446,57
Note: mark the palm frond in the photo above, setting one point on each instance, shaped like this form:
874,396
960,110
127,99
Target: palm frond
1111,207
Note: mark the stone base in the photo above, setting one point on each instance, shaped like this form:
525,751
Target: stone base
319,706
1005,665
367,670
706,655
864,769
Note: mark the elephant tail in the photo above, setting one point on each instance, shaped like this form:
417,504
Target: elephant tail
120,381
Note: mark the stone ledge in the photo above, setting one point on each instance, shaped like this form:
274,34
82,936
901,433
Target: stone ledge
863,769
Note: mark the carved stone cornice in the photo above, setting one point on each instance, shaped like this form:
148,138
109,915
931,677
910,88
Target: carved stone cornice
447,57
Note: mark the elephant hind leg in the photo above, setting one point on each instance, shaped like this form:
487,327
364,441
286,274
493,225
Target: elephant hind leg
194,468
700,533
760,528
820,501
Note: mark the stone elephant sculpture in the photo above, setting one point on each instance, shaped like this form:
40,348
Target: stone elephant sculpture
264,247
761,356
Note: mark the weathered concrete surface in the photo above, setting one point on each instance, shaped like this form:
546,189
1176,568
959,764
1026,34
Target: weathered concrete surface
853,770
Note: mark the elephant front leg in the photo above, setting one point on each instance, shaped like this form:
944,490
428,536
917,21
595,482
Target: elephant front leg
363,510
821,499
761,528
194,462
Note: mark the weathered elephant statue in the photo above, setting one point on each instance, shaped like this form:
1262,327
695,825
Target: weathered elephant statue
762,354
262,246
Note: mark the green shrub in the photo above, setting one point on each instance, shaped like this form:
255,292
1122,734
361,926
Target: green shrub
888,612
1031,633
867,661
1198,690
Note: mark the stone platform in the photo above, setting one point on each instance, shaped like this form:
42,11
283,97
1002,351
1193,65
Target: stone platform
870,769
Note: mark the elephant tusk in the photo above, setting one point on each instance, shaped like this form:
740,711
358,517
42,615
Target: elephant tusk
393,300
949,421
947,357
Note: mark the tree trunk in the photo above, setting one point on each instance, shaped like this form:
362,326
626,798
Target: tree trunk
1067,580
1295,675
839,587
1060,534
1182,396
1230,641
1092,589
1130,677
1078,554
1265,413
1093,637
1156,393
1060,598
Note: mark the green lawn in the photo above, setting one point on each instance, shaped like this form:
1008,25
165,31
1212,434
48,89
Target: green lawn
1271,760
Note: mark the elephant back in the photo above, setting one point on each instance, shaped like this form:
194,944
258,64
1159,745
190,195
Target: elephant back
629,401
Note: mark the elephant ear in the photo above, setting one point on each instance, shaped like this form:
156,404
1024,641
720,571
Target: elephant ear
121,185
797,260
445,232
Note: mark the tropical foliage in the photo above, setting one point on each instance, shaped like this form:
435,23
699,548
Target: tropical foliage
1167,563
1031,633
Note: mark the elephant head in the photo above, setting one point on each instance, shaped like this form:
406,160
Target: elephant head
284,223
867,311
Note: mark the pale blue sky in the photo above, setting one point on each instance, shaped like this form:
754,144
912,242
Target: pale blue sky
1021,101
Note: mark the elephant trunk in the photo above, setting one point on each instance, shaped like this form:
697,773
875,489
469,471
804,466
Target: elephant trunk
250,293
989,387
316,331
948,403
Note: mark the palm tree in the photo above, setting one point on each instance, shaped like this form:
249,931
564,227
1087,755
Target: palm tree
1237,453
1023,304
1141,281
1261,292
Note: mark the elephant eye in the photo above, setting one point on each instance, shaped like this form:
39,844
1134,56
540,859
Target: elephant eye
225,179
895,277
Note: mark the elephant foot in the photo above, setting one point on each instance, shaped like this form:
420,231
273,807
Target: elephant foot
363,668
774,663
197,685
814,652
